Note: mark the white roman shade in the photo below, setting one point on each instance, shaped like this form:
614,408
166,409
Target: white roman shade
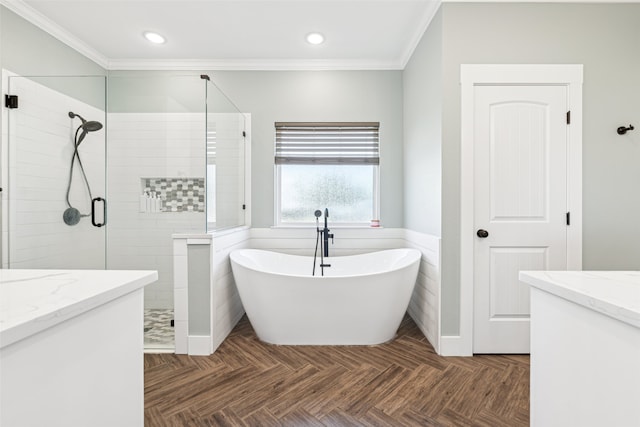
327,143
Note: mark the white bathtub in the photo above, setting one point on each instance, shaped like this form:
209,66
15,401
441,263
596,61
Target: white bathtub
361,299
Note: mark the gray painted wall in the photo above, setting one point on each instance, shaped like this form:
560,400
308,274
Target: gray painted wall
606,39
156,92
199,274
29,51
422,84
272,96
423,98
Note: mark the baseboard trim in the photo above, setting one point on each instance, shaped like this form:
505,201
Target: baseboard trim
454,345
199,345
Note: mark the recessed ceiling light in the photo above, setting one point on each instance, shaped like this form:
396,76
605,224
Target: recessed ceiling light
154,37
315,38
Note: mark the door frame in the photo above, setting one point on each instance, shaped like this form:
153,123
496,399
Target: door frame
471,75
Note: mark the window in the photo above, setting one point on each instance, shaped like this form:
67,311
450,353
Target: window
326,165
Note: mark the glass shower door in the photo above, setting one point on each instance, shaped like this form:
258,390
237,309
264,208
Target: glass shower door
226,157
53,163
156,182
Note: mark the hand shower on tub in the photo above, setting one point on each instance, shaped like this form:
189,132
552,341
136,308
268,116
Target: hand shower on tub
324,243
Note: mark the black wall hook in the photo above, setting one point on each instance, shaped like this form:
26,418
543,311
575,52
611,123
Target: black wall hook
622,130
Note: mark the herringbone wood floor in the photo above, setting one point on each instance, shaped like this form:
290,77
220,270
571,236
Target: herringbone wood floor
402,383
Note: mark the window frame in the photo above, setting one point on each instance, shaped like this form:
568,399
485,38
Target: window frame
375,209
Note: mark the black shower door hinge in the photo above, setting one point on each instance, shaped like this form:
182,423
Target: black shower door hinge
11,101
244,207
568,218
244,134
568,117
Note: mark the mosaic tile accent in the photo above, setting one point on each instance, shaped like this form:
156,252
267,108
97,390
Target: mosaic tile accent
177,194
158,332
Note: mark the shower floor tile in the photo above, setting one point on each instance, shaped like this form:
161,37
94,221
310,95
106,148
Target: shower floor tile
158,332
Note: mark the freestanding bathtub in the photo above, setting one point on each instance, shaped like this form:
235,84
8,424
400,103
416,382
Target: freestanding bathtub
361,299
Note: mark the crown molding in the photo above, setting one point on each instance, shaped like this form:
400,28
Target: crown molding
542,1
251,65
415,40
39,20
25,11
36,18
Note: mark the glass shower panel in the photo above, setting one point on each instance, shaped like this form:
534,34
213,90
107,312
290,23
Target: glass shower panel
156,180
226,131
53,166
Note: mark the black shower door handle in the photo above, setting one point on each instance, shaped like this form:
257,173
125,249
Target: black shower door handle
104,212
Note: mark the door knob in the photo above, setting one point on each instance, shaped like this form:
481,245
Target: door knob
482,233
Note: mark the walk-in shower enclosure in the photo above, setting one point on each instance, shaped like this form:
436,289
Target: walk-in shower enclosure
169,159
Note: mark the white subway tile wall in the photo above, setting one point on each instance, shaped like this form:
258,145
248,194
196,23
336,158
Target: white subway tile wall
38,157
143,145
424,307
227,306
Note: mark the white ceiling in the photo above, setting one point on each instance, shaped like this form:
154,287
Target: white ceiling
236,34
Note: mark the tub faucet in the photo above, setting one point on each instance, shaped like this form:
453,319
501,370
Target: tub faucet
325,233
324,244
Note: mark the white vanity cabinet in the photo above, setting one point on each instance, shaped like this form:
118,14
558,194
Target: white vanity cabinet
71,348
585,348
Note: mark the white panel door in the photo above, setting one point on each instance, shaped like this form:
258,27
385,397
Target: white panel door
520,205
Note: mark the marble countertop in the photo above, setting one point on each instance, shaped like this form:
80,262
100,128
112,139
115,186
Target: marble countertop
34,300
613,293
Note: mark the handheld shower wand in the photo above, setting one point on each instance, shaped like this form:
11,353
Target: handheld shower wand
317,214
325,233
71,215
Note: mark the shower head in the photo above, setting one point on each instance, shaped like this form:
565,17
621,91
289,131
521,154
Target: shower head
86,126
318,213
91,126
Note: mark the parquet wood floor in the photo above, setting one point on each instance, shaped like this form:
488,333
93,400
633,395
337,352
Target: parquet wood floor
402,383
